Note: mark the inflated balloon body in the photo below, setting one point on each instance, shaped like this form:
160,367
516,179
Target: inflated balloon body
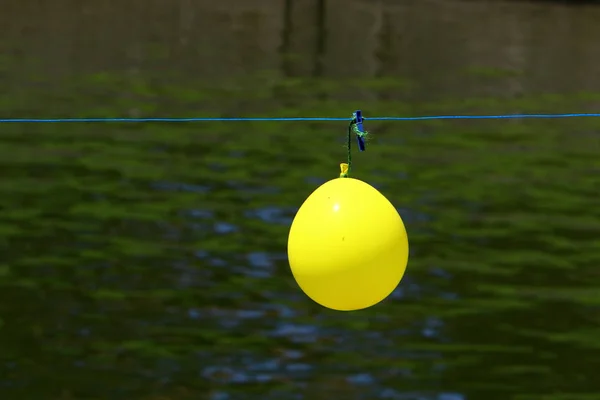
347,246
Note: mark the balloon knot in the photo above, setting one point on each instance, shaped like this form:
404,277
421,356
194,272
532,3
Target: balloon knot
344,169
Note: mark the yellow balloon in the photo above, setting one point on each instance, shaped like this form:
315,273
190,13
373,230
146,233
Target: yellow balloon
347,246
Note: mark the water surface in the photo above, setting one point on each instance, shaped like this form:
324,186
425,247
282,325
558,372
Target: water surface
148,261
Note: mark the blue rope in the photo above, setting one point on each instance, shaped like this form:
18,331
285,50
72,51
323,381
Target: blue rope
266,119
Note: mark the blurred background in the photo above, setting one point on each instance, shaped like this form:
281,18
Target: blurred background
148,261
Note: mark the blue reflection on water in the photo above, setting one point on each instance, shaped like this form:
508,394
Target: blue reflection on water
280,320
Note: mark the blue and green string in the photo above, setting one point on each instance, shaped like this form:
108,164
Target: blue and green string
356,127
285,119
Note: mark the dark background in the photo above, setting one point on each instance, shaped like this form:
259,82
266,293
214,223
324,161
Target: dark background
148,261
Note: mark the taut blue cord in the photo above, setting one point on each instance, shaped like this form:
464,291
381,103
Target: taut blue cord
284,119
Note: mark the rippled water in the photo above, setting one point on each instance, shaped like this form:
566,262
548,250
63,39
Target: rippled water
148,261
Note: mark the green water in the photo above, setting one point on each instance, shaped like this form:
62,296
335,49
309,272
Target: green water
147,261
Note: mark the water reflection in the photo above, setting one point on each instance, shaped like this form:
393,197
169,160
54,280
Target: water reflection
148,261
282,324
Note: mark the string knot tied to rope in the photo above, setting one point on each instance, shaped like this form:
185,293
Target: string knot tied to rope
362,136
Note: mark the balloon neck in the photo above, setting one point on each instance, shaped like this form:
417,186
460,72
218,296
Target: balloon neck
344,170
